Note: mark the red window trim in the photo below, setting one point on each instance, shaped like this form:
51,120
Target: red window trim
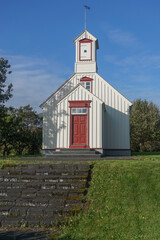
86,79
79,104
85,40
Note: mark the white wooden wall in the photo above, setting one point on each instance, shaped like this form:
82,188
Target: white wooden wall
116,117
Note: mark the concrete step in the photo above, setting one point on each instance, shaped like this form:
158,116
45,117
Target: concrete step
75,152
76,149
73,157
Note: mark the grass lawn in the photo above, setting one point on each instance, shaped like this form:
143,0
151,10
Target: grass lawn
123,202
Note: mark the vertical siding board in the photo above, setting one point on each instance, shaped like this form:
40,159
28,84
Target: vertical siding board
58,129
91,124
107,95
96,89
118,122
104,96
101,91
66,121
63,122
60,126
64,133
96,122
100,125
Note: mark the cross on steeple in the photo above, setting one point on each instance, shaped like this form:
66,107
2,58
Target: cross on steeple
86,7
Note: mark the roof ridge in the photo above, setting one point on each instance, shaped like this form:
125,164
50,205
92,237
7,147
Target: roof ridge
41,105
114,88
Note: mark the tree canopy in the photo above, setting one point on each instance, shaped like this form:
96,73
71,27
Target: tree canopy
5,90
21,131
20,128
145,126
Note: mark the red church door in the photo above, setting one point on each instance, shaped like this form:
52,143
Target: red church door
79,130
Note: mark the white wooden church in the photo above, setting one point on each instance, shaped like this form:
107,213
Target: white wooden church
86,111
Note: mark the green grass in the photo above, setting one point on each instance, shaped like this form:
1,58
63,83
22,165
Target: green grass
123,200
145,154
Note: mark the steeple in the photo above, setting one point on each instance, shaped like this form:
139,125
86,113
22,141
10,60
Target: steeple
86,53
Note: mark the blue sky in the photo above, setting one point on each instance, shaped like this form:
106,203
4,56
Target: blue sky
37,39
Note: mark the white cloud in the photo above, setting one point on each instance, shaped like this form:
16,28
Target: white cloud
121,37
34,80
141,61
139,73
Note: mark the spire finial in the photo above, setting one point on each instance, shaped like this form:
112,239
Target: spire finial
86,7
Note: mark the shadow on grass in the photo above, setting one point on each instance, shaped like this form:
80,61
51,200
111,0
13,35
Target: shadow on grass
19,156
23,234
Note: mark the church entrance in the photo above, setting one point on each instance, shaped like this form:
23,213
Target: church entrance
79,124
79,130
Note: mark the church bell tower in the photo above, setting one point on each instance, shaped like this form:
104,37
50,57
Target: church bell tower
86,46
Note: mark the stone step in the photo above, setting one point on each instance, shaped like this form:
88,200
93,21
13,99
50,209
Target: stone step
40,201
41,194
32,222
43,165
13,173
23,216
31,193
10,179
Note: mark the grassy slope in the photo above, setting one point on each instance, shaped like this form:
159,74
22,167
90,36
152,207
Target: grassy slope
124,202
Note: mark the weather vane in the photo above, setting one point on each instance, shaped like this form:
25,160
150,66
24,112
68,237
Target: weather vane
86,7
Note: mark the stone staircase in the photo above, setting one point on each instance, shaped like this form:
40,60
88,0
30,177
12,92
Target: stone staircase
37,195
74,154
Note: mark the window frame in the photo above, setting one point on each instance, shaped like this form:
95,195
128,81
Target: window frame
80,112
86,80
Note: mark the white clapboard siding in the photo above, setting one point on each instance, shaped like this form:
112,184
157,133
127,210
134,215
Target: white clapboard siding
95,118
50,113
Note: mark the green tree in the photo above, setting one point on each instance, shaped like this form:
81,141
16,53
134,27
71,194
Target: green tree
21,132
6,131
28,131
5,94
5,91
144,126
